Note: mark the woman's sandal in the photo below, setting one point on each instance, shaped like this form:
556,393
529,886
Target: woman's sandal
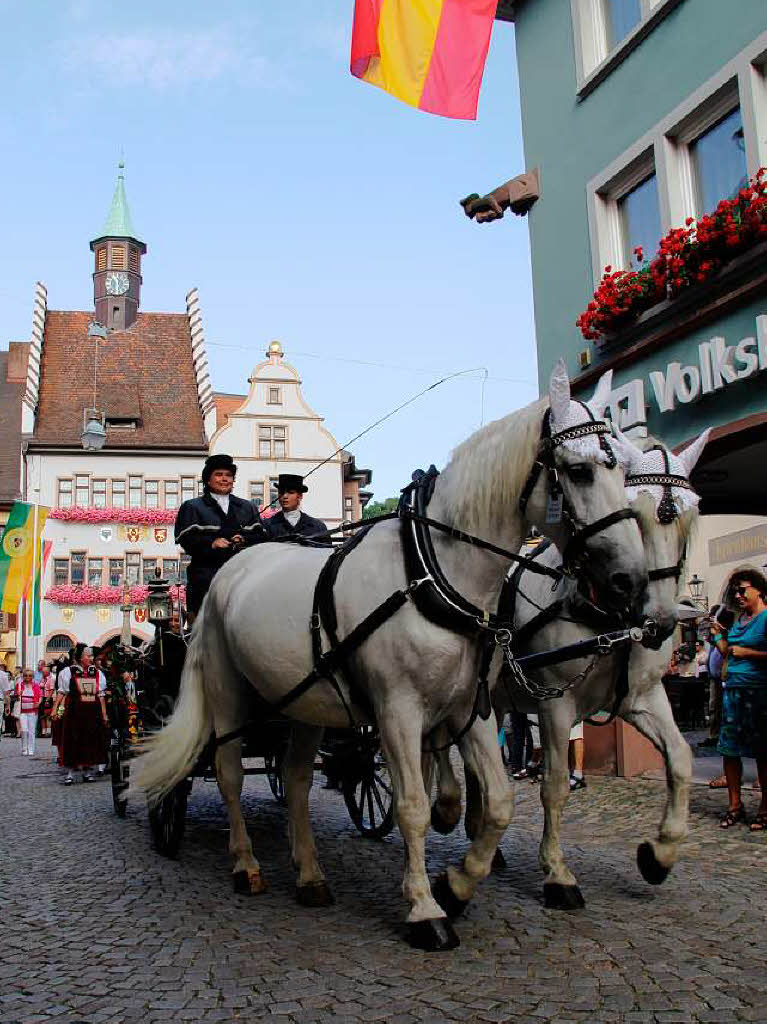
736,817
759,824
720,782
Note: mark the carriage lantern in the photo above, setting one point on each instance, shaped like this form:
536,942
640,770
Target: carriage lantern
159,602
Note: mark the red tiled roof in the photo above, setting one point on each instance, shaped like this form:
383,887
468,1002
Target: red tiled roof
226,404
11,392
144,373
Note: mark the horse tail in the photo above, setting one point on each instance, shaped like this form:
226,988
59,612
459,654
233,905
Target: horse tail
173,752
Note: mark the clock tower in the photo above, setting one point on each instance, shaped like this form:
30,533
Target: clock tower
117,264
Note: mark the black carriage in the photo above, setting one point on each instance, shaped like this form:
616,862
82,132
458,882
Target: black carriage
139,706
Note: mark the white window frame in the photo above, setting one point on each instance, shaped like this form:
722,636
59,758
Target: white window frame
590,30
742,81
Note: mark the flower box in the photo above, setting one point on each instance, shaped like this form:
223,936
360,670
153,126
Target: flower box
133,516
70,594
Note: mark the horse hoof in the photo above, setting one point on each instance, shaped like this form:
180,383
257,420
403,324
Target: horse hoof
499,861
447,899
249,883
314,894
652,870
562,897
436,936
441,824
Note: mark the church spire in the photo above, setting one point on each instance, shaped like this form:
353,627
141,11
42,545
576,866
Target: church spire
117,270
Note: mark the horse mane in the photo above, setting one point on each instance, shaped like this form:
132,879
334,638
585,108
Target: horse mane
486,473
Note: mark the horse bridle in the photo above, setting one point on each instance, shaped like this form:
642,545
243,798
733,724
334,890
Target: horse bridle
575,548
667,509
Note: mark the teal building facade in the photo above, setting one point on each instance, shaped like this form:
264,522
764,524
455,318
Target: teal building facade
640,115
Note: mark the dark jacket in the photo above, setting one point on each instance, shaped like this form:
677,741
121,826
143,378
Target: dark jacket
307,526
199,522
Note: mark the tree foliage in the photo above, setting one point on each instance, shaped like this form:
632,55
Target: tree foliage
379,508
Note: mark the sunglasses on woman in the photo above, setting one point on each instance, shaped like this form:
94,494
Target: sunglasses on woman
741,591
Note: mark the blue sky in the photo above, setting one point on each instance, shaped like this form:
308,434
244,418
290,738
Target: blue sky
305,205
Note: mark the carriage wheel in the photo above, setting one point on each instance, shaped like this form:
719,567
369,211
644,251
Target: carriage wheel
167,819
120,772
369,798
273,766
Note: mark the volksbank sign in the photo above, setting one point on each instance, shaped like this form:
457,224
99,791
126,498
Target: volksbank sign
719,366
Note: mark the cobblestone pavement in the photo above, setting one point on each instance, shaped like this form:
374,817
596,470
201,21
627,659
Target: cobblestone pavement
103,929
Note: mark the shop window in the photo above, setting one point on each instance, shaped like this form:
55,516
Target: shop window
60,572
78,568
95,572
171,493
719,162
132,567
100,493
82,491
116,572
118,494
64,499
152,493
134,491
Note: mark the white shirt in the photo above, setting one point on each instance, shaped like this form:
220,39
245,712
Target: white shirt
222,500
293,517
65,677
5,682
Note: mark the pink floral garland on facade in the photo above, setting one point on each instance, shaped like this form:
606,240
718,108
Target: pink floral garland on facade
69,594
134,516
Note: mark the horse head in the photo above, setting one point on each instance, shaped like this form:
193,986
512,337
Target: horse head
659,491
577,498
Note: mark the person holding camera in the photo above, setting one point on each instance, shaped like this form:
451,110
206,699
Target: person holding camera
214,527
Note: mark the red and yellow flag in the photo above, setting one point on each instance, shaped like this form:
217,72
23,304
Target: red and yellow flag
428,53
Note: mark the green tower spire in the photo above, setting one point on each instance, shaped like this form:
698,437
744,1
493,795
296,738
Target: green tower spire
118,223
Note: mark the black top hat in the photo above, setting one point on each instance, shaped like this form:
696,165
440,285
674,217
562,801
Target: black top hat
291,482
214,462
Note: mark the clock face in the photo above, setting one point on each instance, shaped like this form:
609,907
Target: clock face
116,282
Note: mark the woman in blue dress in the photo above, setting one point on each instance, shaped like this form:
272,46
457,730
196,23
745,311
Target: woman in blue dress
743,732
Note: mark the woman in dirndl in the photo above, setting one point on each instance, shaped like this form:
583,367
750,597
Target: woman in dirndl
84,732
743,730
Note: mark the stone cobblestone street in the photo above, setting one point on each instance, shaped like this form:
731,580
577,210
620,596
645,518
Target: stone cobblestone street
97,927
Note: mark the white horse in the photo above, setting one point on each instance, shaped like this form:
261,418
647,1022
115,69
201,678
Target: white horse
251,643
657,487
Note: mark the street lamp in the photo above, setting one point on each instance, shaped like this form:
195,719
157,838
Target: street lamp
697,588
94,435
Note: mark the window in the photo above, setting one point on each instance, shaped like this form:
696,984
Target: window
78,568
719,162
60,572
65,494
257,492
183,566
639,212
274,397
621,16
59,643
116,572
95,571
170,569
134,491
271,442
82,491
152,493
118,494
349,503
272,490
188,488
171,493
101,259
150,565
132,567
118,257
100,493
200,488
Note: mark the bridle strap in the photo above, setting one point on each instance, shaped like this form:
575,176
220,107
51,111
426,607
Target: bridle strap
575,546
667,573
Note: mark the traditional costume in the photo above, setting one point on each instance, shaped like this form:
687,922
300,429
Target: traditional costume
296,523
29,696
83,734
201,521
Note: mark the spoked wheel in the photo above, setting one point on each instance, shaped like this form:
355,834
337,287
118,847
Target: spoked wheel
273,765
120,771
167,819
369,796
